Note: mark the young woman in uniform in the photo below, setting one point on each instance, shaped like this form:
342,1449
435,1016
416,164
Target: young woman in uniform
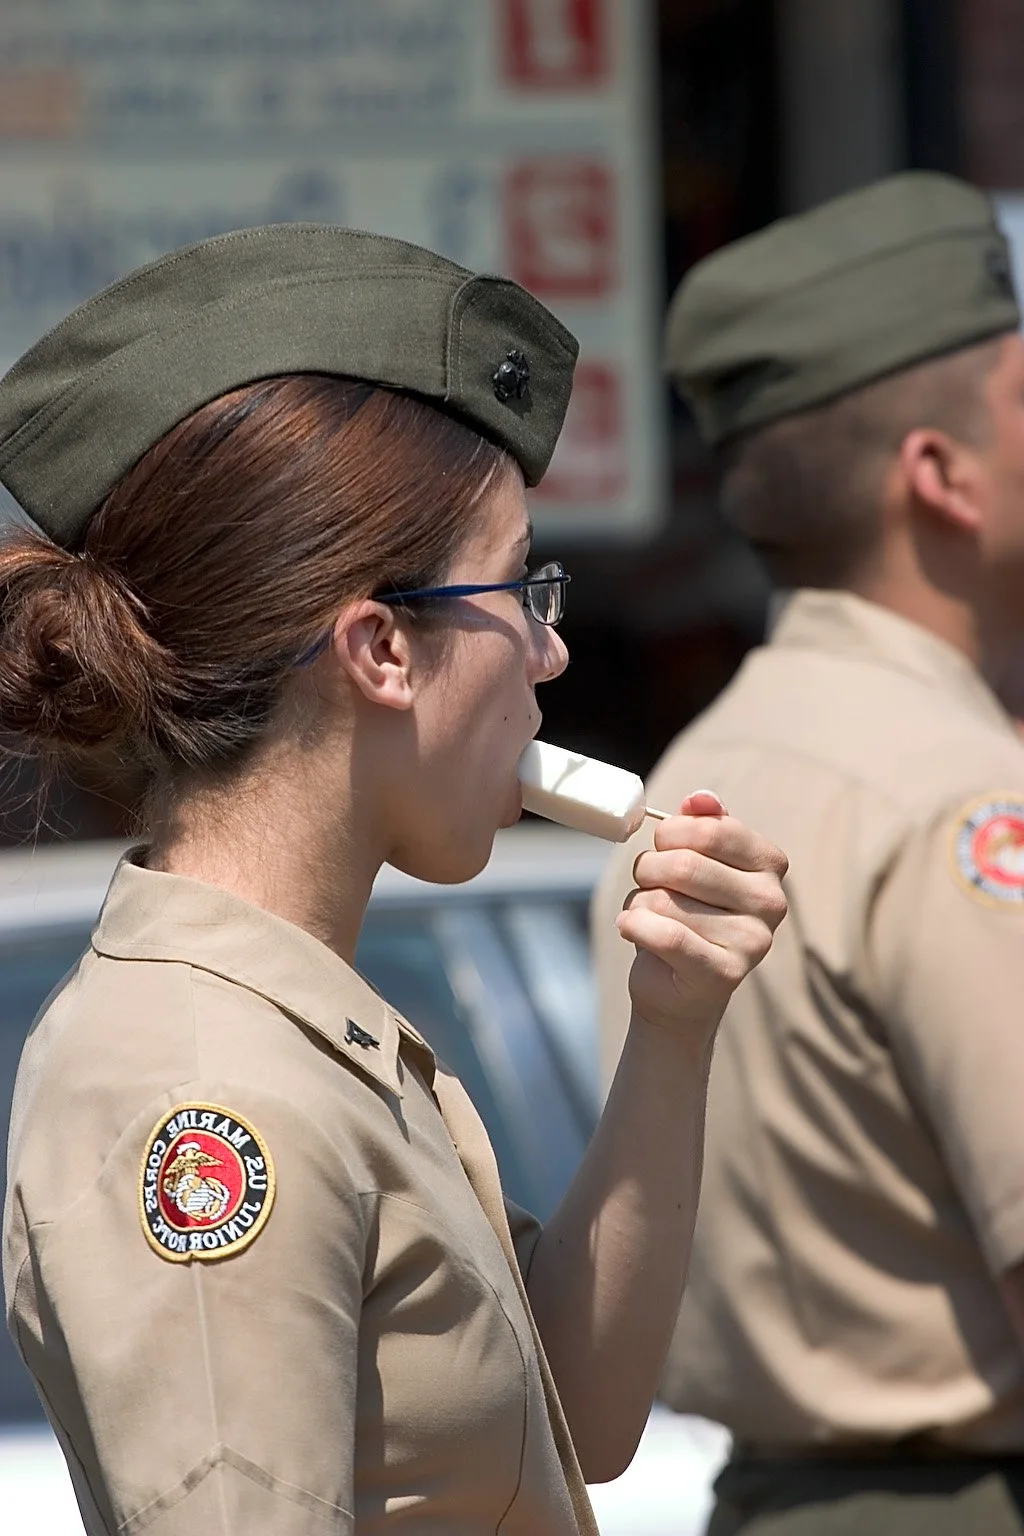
256,1254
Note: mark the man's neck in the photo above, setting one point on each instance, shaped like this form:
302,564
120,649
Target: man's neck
947,617
997,655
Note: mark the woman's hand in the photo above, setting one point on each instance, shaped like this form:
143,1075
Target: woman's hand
708,900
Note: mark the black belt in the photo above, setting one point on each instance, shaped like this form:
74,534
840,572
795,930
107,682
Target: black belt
912,1448
816,1488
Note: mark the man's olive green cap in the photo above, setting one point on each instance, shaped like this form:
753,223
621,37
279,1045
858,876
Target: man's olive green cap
862,286
88,400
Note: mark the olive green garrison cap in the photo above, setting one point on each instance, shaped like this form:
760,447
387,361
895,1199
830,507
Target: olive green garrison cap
862,286
86,402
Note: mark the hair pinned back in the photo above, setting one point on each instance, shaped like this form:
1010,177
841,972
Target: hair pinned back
220,558
77,665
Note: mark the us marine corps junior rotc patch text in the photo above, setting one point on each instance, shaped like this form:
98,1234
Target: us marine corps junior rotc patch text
206,1184
988,849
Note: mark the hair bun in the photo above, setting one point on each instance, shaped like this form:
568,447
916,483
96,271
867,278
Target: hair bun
77,666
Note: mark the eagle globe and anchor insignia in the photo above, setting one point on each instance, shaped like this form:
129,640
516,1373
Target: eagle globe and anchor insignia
206,1185
988,849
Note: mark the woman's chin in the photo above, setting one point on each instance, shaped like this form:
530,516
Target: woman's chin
461,853
514,810
450,864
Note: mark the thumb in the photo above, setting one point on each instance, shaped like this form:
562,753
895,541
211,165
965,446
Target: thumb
702,802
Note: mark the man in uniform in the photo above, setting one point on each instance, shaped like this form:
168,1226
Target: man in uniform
855,1306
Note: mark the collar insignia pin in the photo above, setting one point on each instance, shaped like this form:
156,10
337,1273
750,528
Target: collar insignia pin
354,1035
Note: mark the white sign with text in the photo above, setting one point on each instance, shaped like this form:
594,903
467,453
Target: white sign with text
512,135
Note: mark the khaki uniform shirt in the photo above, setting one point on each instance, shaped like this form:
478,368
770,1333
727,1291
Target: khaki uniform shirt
864,1177
242,1257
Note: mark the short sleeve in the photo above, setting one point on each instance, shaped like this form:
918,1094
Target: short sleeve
947,952
220,1391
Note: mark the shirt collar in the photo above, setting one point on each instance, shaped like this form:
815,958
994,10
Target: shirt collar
842,624
148,915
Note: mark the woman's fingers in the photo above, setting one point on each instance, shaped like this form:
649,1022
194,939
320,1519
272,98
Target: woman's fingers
678,978
697,878
709,898
721,838
750,928
702,802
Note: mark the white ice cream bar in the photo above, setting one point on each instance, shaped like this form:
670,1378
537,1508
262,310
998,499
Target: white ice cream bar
580,792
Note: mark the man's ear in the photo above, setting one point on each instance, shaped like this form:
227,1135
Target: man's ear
942,475
373,648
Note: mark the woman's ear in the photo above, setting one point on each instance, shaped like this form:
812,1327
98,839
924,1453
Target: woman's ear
942,476
374,650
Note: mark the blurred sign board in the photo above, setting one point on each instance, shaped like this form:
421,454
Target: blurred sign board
989,40
513,135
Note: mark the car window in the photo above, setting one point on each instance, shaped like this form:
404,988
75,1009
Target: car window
549,942
516,1050
400,955
29,971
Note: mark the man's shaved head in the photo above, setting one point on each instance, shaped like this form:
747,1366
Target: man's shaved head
807,490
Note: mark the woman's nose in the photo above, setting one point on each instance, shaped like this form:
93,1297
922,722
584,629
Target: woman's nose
551,653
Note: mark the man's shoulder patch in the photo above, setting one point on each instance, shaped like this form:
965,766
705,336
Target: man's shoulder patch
206,1185
987,848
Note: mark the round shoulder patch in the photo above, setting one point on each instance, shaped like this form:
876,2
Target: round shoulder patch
206,1184
988,849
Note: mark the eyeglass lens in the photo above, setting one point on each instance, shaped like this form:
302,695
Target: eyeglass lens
545,593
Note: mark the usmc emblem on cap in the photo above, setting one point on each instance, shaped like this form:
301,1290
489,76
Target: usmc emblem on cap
511,377
206,1184
988,849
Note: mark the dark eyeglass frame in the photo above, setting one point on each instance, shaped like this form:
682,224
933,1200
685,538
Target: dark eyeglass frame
552,574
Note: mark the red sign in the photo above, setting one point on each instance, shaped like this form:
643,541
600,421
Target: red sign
45,104
560,222
591,458
554,44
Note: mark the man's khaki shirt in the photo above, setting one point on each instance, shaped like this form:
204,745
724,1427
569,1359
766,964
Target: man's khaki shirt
358,1354
864,1177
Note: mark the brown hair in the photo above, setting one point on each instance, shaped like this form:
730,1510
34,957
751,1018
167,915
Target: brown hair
807,490
221,559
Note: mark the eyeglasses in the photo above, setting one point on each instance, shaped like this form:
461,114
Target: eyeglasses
543,592
543,596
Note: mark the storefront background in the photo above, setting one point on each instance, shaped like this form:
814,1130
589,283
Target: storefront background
593,149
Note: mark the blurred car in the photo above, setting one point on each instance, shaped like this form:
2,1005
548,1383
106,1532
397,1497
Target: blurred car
496,974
